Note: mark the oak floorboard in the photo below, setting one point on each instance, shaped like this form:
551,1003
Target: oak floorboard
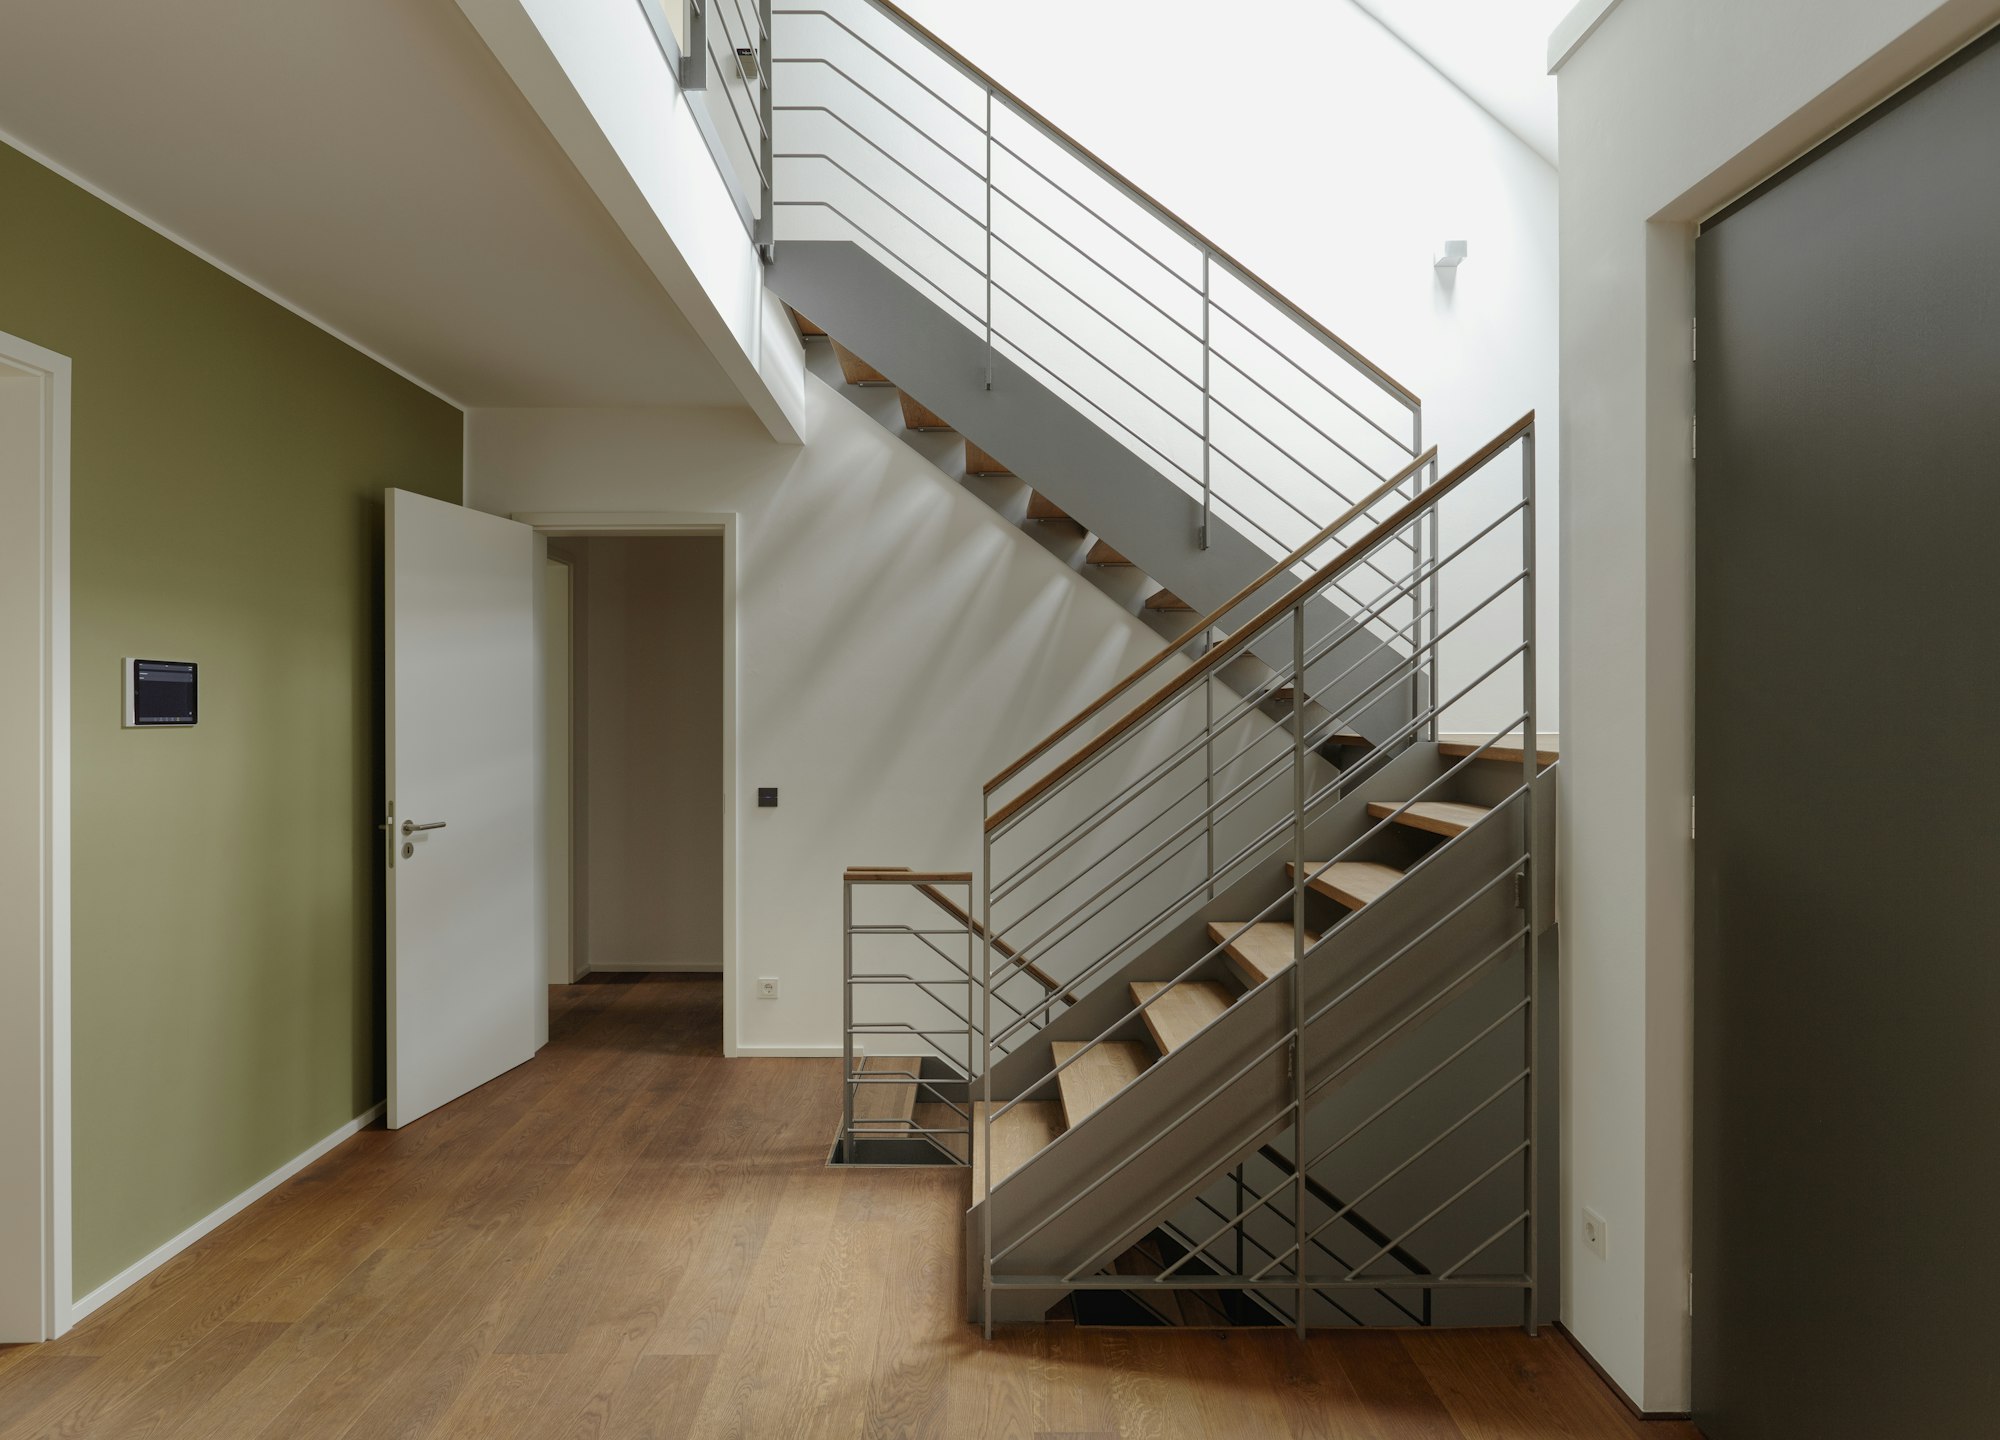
631,1238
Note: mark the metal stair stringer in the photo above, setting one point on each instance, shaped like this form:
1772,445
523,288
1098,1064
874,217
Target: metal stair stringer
1200,1110
1059,450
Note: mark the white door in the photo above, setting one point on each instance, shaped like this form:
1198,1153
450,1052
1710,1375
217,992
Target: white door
464,736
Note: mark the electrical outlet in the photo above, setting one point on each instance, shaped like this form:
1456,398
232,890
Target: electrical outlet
767,987
1593,1232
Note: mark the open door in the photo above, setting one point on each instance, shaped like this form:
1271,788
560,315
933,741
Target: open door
463,739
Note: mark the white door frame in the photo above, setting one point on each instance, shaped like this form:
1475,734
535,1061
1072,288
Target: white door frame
581,523
42,1087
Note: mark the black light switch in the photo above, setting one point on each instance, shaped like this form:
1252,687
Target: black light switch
767,797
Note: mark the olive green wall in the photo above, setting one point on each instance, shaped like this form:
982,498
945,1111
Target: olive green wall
228,466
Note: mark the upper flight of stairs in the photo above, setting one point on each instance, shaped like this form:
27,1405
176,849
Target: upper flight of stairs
1094,558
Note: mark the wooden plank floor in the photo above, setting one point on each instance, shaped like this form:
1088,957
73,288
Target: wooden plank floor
631,1236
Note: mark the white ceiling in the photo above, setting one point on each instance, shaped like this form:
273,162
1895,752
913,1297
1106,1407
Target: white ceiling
370,163
1496,51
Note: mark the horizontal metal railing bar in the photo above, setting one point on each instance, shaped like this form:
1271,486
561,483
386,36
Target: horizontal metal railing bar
1243,272
903,875
834,114
1405,668
896,1027
1444,1205
1041,270
1297,414
1212,620
1023,348
911,267
1483,1246
1106,221
869,141
1234,1282
1443,993
1354,626
1303,591
943,244
1141,391
753,148
1436,1140
1260,779
883,55
900,930
1254,333
1000,192
1116,1170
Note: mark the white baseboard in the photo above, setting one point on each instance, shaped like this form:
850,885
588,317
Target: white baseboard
132,1274
788,1052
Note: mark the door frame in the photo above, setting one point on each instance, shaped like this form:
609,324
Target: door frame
580,524
48,1096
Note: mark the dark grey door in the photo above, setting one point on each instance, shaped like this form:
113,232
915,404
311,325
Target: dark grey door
1847,978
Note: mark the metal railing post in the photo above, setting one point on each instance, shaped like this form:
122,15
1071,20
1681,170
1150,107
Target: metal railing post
847,1019
694,59
983,1152
767,232
989,239
1208,759
1207,443
1530,762
1300,866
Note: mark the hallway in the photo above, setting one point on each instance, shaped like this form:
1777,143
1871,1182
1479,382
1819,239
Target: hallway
631,1237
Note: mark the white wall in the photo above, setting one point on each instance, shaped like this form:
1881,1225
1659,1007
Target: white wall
652,732
1317,148
1669,109
897,642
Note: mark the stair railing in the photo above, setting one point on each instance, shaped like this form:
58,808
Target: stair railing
884,135
1110,804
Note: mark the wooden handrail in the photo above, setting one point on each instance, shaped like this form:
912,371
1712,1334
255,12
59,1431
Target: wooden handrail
1209,621
1349,557
925,882
1292,308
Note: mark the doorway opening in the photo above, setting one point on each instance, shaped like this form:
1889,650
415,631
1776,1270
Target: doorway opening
35,1300
637,763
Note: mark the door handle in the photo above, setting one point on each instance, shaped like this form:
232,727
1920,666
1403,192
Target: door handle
411,827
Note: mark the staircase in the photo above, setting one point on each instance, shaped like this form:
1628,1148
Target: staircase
1239,1019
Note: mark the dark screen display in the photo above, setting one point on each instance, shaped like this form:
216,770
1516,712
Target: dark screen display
163,692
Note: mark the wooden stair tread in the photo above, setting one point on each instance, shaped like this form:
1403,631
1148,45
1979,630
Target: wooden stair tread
886,1108
1018,1136
1353,883
936,1115
1186,1009
1040,507
1167,600
918,416
978,462
1264,950
1101,1073
806,327
855,370
1102,554
1511,754
1439,817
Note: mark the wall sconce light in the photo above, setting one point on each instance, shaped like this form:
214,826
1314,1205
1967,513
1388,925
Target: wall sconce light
1453,256
746,63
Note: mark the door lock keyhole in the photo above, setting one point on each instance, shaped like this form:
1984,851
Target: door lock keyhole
409,850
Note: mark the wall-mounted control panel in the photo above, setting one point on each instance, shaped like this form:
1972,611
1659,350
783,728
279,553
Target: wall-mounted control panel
161,693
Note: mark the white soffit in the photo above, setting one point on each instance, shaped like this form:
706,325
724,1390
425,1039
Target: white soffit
370,164
1496,51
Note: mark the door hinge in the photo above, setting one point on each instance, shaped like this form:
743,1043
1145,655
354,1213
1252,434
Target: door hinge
1690,1294
1520,889
1694,437
1694,340
1690,817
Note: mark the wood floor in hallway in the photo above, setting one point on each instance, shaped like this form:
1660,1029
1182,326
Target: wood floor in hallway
631,1236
